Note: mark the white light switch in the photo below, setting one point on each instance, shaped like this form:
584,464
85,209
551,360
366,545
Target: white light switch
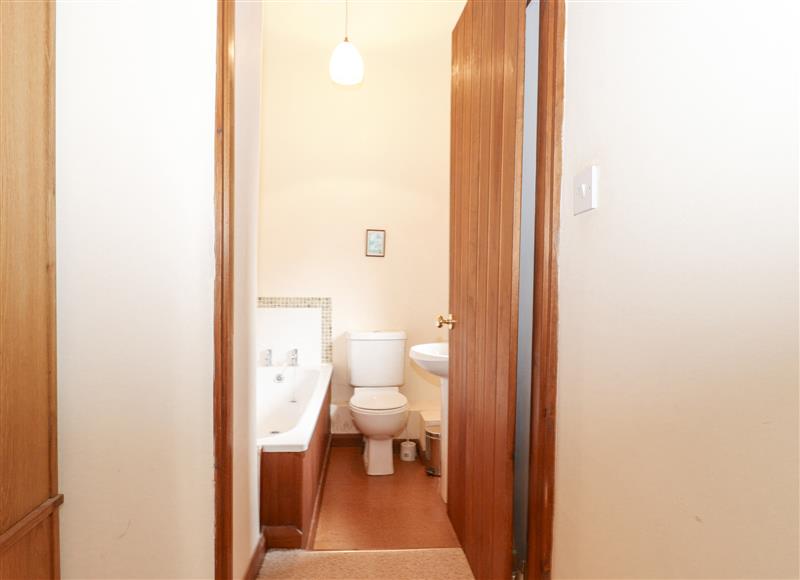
585,195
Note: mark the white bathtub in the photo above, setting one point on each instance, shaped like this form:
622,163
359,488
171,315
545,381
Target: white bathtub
287,412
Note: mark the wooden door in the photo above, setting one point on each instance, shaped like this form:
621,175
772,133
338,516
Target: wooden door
486,146
28,479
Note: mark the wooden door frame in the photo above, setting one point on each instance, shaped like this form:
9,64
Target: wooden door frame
550,115
550,112
223,292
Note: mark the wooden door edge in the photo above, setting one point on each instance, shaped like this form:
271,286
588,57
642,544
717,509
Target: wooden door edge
56,498
223,292
550,116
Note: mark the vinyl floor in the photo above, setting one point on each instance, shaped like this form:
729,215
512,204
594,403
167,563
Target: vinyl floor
400,511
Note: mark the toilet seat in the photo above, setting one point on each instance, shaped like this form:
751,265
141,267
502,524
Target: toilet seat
366,412
378,403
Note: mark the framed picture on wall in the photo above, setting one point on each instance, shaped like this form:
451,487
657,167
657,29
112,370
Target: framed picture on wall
376,243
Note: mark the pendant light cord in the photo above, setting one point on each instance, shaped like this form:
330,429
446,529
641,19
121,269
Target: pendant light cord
346,18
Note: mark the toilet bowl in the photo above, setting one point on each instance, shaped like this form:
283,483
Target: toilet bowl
379,415
376,362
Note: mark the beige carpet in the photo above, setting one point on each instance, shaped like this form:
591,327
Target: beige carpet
423,564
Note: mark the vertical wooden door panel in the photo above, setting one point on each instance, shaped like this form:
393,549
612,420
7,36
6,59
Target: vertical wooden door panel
486,143
28,477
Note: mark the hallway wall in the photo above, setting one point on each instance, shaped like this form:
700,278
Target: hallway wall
135,277
677,430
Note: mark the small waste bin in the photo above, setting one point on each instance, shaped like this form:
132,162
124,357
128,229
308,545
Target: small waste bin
433,450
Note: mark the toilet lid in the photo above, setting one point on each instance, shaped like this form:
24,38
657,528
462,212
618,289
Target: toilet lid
378,401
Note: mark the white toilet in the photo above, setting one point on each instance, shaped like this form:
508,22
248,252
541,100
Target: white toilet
376,361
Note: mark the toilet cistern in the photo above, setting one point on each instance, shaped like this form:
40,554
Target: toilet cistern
376,364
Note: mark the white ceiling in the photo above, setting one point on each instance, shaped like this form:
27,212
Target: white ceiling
374,24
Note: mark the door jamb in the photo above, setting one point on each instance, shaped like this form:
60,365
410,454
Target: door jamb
223,292
550,114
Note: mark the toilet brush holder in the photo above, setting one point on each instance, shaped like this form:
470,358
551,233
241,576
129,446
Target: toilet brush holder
408,451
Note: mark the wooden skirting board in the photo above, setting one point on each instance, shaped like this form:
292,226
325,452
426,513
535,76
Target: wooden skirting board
285,537
257,558
347,440
357,440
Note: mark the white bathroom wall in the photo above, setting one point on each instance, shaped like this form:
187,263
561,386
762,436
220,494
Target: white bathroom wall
135,88
339,160
247,108
677,431
284,329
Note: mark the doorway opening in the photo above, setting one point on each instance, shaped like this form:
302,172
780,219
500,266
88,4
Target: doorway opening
353,269
383,205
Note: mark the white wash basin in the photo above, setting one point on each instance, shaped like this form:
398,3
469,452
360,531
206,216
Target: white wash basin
433,357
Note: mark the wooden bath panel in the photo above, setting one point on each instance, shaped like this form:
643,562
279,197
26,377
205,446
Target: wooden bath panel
291,487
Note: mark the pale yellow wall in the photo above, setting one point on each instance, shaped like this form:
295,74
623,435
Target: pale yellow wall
677,437
339,160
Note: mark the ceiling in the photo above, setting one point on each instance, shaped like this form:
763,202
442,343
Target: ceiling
373,24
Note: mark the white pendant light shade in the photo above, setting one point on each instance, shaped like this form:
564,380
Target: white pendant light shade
346,66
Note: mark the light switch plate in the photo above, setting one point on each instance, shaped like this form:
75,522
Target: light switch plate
584,196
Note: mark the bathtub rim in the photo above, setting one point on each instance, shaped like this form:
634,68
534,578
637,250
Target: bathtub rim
276,444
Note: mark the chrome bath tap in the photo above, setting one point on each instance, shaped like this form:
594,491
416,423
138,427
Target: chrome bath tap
291,361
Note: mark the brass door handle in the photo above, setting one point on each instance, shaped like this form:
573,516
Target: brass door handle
448,321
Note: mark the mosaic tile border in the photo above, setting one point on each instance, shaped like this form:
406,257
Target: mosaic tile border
307,302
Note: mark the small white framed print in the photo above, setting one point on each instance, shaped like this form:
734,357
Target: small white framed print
376,243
